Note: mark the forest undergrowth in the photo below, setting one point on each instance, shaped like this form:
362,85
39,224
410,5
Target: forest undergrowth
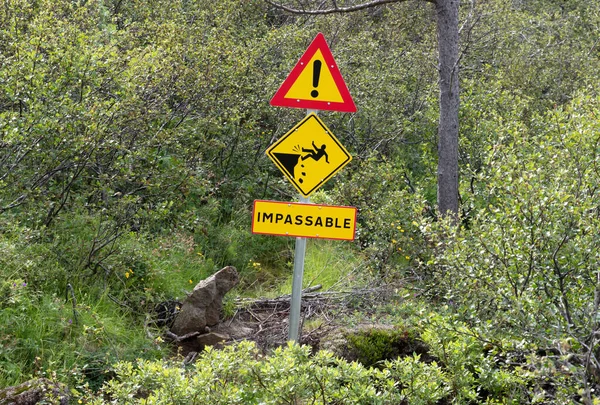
132,145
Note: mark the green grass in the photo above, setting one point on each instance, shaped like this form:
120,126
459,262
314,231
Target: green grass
332,264
176,266
44,334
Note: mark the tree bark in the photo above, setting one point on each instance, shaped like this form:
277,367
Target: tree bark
447,174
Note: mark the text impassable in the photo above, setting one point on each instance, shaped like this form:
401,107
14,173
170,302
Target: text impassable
303,220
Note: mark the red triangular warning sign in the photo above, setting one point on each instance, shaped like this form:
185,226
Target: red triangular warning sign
315,82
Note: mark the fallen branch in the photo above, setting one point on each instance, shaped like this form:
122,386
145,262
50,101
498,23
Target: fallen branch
177,339
191,356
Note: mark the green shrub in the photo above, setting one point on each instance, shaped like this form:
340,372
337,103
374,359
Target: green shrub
528,265
470,369
420,383
239,375
389,211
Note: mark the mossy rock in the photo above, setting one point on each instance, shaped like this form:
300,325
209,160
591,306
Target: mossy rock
372,344
33,392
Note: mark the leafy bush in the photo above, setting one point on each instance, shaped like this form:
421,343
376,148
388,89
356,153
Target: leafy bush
238,375
389,209
419,383
458,368
470,366
290,375
529,262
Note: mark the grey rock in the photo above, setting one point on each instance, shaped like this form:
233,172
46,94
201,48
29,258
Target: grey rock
211,339
203,307
198,343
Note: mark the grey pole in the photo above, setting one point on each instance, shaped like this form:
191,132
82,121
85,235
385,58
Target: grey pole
296,303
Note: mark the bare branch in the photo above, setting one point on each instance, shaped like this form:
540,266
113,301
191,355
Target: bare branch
336,8
19,201
178,339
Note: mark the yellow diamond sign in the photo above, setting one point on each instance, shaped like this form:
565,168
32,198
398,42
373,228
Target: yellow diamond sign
309,155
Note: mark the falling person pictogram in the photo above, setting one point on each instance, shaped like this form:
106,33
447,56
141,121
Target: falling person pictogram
315,153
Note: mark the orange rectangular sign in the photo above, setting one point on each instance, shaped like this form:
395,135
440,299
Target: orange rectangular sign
303,220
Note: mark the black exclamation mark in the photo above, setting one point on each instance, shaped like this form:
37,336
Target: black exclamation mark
316,74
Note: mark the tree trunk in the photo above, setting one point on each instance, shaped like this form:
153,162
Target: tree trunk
447,176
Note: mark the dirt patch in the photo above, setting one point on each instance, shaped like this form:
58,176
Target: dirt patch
266,321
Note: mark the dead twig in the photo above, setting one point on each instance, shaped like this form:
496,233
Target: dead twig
177,339
190,358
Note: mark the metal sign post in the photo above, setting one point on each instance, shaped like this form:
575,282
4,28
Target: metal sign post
296,303
299,255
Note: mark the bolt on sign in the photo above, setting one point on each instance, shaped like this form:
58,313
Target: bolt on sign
303,220
309,155
315,82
